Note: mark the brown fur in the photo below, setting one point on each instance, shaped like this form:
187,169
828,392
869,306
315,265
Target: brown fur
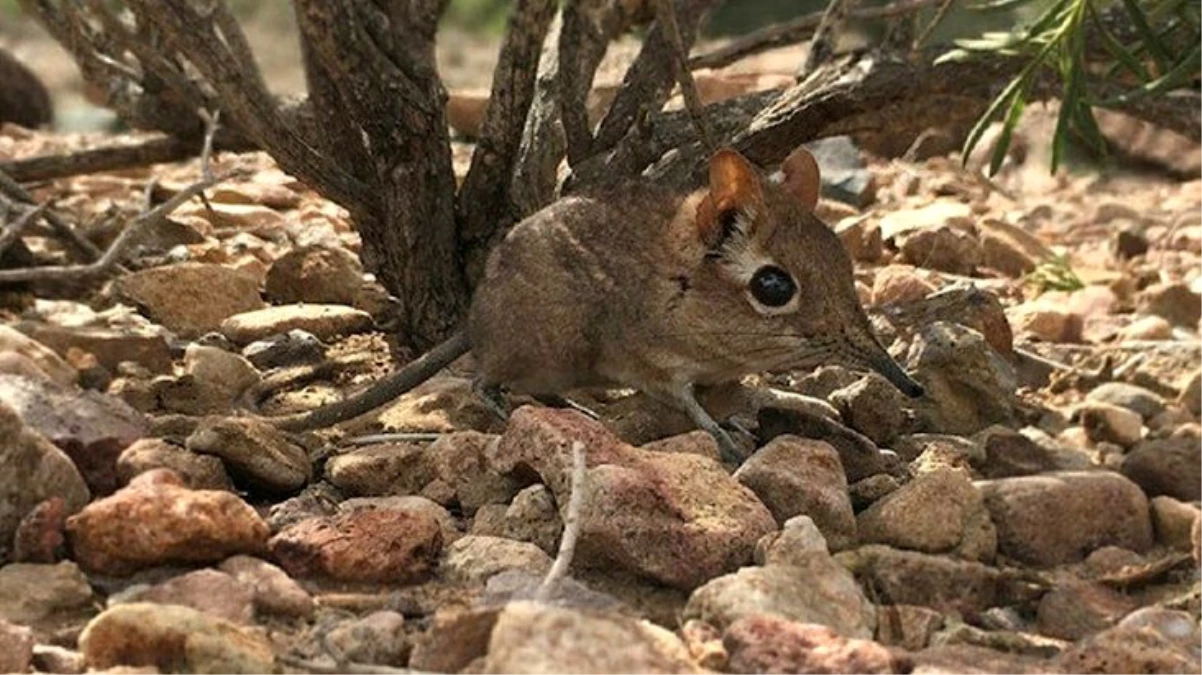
23,98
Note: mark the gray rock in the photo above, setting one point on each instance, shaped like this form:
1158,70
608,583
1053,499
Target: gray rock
771,644
273,591
255,452
473,559
207,590
859,456
968,385
378,638
199,472
874,408
31,592
534,517
1078,609
1149,640
378,470
814,589
797,539
460,460
1130,396
940,582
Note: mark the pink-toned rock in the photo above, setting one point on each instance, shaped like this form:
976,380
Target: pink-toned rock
174,525
16,647
940,511
190,298
899,284
770,644
1092,509
110,347
34,471
1079,609
199,472
799,476
274,592
679,519
207,590
90,427
459,460
41,535
1176,302
378,545
42,357
1046,321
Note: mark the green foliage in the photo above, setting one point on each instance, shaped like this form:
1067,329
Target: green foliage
1054,274
1155,50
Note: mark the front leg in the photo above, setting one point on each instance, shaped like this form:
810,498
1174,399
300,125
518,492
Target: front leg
687,400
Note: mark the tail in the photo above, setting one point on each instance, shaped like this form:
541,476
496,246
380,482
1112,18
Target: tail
391,387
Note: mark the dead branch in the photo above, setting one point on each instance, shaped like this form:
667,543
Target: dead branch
112,256
588,28
22,200
571,527
649,80
822,45
794,31
13,231
666,17
484,199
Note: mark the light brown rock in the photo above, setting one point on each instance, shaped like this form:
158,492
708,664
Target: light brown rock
207,590
314,274
255,452
199,472
47,362
473,559
31,592
1061,517
16,647
324,321
175,525
273,591
190,298
772,644
796,476
936,512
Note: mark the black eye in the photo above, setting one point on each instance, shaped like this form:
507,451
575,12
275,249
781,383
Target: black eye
773,286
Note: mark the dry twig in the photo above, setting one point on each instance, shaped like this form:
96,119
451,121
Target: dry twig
666,16
14,231
22,200
571,527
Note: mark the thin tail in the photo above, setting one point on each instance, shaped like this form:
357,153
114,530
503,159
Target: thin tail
387,389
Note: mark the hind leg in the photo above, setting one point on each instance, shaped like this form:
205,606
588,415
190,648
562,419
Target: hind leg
557,401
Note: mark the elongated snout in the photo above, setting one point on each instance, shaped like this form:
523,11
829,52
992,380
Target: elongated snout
890,370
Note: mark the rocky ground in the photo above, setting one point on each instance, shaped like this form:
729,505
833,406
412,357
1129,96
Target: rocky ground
1038,511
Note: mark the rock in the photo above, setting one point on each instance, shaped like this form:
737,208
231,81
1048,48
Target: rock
863,493
199,472
175,525
912,578
679,519
284,349
16,648
459,459
325,322
207,590
1174,522
190,298
1167,466
942,247
963,304
1047,321
968,658
473,559
35,471
314,274
1010,453
534,517
796,476
41,535
1079,609
1130,396
173,638
378,638
385,469
110,347
273,591
1149,640
1010,249
899,284
45,360
1175,302
52,659
30,593
1092,509
858,455
90,427
1191,394
797,539
412,503
814,589
225,374
1108,423
845,176
874,408
907,626
936,512
938,213
317,499
861,238
377,545
771,644
1146,328
532,638
255,452
968,385
444,404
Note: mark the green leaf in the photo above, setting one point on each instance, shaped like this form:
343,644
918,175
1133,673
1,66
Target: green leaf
1012,117
1149,37
1116,49
1178,75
